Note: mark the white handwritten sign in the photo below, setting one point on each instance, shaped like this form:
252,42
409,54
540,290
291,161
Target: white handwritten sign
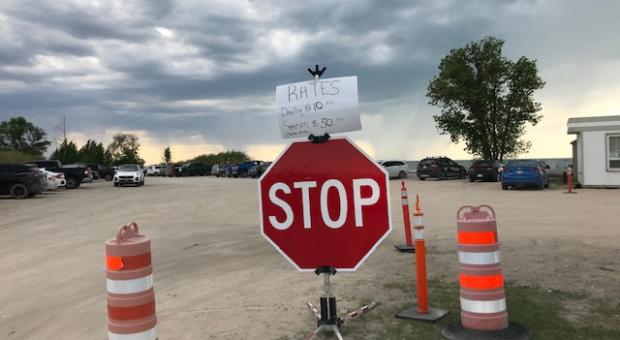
318,106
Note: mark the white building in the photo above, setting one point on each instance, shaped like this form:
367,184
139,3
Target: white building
596,151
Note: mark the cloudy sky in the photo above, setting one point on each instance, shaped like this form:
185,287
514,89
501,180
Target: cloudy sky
201,75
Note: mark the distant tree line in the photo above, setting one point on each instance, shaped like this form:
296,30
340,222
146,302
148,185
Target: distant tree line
226,157
21,141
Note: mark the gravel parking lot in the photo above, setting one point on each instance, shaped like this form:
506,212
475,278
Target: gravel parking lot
217,278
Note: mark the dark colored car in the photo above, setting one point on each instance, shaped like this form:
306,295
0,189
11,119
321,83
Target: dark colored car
172,170
243,169
73,175
231,170
166,171
176,169
101,171
41,175
259,170
485,170
194,169
525,173
219,170
440,168
19,181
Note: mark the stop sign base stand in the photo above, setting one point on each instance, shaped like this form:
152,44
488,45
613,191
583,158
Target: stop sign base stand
327,319
405,248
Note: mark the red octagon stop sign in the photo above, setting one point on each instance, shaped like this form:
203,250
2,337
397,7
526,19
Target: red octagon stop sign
325,204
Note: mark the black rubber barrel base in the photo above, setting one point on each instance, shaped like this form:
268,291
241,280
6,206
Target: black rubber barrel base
433,314
405,248
456,331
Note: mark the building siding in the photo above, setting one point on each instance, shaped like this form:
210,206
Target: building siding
593,153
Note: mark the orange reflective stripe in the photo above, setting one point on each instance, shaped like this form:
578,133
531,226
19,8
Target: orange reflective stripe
114,262
477,237
481,282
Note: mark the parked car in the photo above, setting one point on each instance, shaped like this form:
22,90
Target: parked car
259,169
396,169
55,180
215,170
88,174
243,169
485,170
73,174
194,169
166,171
177,169
171,170
101,171
19,181
155,170
440,168
525,173
220,170
231,170
129,174
41,176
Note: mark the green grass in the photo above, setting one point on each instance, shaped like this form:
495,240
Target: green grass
547,314
12,156
556,182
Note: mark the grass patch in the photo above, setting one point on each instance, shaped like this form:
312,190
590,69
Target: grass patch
547,314
556,181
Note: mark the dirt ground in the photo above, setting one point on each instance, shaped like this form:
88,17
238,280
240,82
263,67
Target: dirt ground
217,278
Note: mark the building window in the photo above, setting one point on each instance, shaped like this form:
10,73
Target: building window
613,152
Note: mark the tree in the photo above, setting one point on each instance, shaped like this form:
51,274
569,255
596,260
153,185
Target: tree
167,155
226,157
21,135
66,153
486,99
60,131
124,149
92,153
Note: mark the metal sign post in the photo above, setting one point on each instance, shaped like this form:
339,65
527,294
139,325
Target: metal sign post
327,318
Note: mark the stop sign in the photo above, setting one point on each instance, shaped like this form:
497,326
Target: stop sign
324,204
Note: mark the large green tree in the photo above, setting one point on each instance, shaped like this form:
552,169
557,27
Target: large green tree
124,149
21,135
92,153
486,99
66,153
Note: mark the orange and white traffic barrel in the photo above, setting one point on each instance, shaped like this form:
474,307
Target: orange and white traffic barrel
483,301
482,295
129,283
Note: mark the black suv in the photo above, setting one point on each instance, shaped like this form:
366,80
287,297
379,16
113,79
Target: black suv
194,169
100,171
19,181
440,168
485,170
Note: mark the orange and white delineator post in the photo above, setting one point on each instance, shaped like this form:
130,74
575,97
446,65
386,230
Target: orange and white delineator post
422,311
569,180
129,284
408,247
482,295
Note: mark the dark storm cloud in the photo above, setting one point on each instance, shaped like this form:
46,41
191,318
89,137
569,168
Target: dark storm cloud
181,67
